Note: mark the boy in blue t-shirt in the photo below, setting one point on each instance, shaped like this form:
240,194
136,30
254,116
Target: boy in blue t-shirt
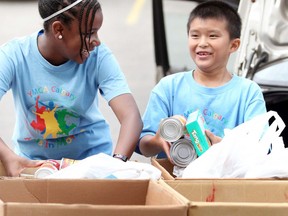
224,99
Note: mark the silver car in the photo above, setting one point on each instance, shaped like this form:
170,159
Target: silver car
263,55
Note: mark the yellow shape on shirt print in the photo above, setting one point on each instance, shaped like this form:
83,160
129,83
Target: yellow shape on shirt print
51,123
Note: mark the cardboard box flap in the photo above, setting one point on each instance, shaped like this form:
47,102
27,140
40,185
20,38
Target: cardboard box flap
165,166
74,191
89,197
238,209
88,191
168,195
19,190
232,190
100,192
92,210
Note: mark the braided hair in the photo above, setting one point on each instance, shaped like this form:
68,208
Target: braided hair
81,12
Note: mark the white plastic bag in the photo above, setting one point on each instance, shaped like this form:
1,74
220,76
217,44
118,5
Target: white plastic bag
102,166
245,145
274,165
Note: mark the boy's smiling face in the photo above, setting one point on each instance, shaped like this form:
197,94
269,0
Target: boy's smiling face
210,44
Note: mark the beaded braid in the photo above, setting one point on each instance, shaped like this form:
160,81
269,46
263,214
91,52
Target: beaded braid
89,5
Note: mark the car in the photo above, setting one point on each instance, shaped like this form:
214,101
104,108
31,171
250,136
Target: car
262,56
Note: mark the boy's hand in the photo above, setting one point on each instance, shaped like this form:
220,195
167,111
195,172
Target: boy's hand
213,138
164,145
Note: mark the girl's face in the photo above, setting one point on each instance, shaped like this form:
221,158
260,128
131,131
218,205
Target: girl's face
210,45
72,49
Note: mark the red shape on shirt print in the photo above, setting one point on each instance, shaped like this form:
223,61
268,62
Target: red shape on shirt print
39,124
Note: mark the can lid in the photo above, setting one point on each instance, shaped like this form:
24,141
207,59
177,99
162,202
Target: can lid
171,129
182,152
43,172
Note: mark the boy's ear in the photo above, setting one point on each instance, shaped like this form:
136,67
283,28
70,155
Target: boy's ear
235,43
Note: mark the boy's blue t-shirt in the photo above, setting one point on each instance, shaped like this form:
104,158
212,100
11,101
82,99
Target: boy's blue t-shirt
57,113
223,107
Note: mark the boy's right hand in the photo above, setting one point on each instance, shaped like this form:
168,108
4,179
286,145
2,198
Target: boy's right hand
164,145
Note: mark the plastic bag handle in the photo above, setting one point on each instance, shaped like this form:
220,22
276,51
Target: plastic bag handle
275,129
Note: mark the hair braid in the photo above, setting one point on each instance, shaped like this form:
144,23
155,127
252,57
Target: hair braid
81,12
48,7
93,5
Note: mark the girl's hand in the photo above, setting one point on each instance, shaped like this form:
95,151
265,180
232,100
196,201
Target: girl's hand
17,164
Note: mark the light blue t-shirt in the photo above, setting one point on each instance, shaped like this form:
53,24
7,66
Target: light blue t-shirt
222,107
57,113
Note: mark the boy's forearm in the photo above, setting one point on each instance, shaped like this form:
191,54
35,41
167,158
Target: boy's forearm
150,146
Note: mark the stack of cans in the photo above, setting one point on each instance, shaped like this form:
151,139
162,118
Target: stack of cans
51,166
47,168
173,130
182,152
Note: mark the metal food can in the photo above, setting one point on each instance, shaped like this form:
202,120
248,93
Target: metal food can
65,162
47,168
182,152
172,128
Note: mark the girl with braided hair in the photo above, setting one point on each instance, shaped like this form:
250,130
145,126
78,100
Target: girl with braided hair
65,65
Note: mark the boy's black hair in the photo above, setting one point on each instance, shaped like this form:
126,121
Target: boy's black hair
218,10
48,7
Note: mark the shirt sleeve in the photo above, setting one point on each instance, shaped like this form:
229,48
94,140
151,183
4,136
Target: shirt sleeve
156,110
112,81
257,104
6,69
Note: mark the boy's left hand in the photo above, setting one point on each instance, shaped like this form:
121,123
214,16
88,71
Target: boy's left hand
213,138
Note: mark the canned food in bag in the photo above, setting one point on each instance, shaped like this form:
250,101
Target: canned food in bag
47,168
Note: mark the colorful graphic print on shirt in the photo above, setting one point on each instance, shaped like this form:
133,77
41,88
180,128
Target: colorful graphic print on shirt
52,120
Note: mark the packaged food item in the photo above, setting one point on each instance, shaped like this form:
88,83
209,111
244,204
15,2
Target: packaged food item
173,128
195,126
182,152
65,162
47,168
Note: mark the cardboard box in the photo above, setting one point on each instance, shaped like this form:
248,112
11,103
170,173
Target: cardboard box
165,166
34,197
234,197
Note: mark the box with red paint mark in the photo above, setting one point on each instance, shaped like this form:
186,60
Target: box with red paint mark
226,197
